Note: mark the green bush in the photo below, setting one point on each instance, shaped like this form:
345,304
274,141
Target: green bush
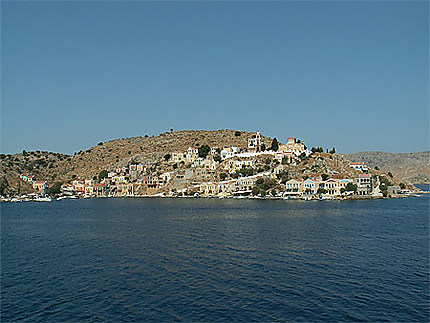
204,151
321,190
55,188
274,145
351,187
247,171
103,174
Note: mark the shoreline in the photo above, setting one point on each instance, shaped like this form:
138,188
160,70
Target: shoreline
241,197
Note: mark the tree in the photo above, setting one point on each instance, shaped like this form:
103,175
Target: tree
333,151
237,133
402,186
385,181
217,158
275,145
351,187
255,190
376,167
171,129
55,188
391,175
247,171
321,190
324,177
167,157
263,147
204,151
222,176
103,174
283,177
285,160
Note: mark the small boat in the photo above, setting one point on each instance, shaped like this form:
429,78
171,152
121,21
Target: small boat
61,198
416,195
42,199
73,197
15,200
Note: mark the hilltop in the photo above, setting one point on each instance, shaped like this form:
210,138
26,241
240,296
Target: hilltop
408,167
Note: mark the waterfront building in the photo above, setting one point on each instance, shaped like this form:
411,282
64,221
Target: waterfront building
364,184
100,189
89,190
245,184
334,186
294,186
310,186
40,187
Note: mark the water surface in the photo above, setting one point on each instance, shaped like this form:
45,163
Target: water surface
215,260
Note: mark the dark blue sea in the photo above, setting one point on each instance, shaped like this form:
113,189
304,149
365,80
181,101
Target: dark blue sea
211,260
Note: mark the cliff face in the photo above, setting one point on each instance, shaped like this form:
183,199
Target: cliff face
409,167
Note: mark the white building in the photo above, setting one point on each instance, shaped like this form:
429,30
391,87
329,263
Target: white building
359,166
254,143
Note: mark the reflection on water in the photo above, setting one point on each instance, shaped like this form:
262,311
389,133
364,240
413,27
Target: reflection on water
215,260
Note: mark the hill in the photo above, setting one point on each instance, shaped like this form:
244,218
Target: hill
409,167
149,151
112,154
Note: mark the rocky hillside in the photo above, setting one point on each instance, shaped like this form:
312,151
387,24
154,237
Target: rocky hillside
112,154
151,150
409,167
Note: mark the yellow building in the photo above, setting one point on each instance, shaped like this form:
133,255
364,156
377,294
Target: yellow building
40,187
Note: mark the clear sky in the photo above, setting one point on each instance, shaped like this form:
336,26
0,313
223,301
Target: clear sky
349,74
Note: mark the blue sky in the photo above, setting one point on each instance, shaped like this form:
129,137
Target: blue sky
349,74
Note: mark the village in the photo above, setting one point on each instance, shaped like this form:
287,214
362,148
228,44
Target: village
287,171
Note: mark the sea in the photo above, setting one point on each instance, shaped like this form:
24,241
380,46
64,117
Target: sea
215,260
